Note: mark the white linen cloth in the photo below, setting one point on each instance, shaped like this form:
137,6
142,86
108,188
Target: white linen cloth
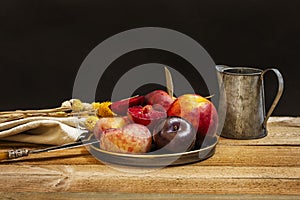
43,130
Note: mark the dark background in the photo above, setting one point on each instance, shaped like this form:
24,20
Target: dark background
43,43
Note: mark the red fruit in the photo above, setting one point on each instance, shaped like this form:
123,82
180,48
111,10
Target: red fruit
147,115
159,97
132,138
199,111
120,107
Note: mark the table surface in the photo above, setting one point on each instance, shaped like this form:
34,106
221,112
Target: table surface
267,168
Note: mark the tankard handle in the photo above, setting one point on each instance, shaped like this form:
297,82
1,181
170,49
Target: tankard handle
278,95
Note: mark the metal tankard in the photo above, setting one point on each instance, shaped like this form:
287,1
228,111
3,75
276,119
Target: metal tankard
244,103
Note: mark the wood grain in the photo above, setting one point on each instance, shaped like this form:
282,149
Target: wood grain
268,167
191,179
146,196
224,156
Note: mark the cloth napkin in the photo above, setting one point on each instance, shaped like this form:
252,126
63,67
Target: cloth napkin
43,130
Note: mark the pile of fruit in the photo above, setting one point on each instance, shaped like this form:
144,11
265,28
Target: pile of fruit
156,121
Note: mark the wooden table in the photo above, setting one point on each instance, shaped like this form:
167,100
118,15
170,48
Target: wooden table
267,168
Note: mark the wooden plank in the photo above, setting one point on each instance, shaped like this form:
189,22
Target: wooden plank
184,179
225,155
146,196
281,131
284,121
251,156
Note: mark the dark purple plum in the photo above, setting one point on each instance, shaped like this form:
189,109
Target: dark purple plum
174,134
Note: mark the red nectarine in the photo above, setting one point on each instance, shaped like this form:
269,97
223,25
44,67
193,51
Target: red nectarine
199,111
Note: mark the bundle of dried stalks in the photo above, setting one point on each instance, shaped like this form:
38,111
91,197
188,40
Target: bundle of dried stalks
68,108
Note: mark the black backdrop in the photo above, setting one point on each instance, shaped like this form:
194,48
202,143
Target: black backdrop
43,43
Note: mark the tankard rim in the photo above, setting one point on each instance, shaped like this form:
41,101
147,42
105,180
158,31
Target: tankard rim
241,71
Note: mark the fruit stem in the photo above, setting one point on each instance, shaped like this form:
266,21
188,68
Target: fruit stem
209,97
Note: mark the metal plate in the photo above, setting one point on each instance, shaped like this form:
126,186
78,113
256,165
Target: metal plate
155,160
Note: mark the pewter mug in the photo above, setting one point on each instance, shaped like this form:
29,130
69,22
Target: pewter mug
244,103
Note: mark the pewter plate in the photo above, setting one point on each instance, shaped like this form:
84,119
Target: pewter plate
155,160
